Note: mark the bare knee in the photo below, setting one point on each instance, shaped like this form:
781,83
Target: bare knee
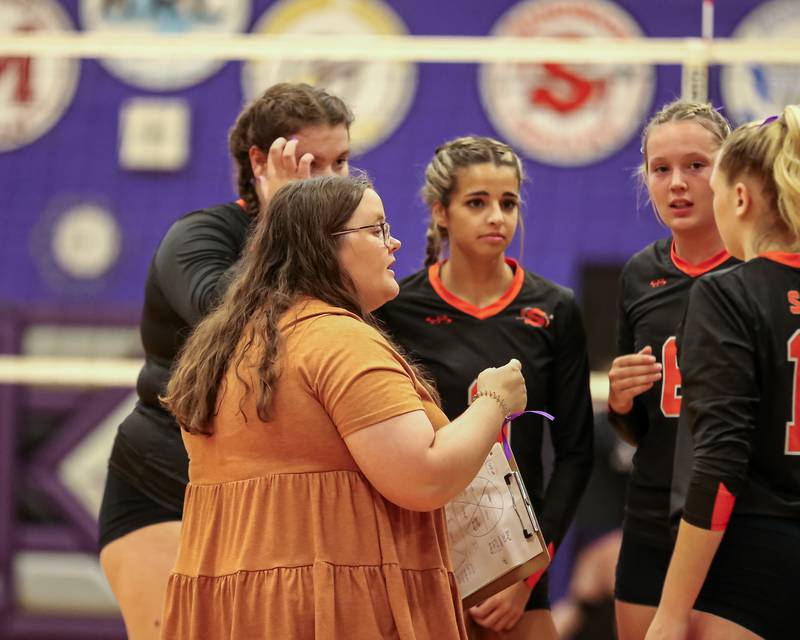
537,624
633,620
707,626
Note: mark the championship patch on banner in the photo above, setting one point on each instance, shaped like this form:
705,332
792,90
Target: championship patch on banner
567,115
34,91
379,93
754,91
214,17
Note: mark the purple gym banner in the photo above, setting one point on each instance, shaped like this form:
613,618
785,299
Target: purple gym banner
99,157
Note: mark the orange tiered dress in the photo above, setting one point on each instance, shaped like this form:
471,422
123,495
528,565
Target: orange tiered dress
283,537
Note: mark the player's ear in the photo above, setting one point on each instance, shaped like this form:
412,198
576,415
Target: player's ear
439,214
744,199
258,160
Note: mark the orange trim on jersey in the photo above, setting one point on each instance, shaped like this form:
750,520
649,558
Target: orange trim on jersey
481,313
723,506
694,270
242,203
789,259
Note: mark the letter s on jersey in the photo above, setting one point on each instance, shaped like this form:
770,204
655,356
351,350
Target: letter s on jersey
794,301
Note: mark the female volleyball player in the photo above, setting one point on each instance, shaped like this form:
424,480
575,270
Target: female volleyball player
679,144
143,500
478,308
737,558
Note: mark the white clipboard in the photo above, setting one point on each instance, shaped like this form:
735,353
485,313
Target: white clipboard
495,538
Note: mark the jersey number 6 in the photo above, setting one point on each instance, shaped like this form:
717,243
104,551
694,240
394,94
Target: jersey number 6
670,379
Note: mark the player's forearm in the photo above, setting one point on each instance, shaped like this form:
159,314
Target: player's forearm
694,551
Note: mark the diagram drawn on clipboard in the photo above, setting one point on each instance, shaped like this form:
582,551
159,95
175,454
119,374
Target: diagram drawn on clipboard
478,509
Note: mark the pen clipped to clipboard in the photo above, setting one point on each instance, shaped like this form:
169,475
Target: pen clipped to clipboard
522,504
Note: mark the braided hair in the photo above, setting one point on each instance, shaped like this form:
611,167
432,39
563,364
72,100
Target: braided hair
440,178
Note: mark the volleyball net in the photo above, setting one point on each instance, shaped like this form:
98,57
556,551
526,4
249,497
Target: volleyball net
693,55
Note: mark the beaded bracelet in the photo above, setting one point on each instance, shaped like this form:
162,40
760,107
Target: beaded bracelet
495,396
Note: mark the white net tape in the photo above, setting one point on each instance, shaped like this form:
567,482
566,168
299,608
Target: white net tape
452,49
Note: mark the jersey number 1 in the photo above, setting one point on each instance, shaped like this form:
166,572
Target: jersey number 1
792,427
670,379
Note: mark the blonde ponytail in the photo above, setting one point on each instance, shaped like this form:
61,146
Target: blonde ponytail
786,172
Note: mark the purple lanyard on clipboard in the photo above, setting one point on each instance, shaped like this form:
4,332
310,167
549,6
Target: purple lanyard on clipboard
506,423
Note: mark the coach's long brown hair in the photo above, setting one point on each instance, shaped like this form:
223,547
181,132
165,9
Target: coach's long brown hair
281,111
291,255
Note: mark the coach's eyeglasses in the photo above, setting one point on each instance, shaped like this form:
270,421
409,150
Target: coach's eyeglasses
383,226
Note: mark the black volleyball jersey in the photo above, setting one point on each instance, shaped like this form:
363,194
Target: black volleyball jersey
185,279
535,321
740,358
654,287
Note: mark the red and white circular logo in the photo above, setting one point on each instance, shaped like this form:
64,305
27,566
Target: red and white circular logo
34,91
567,114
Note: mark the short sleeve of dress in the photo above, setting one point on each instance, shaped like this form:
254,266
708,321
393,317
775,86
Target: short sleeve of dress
355,374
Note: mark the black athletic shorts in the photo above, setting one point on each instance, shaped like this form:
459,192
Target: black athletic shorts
540,597
641,570
754,578
125,509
